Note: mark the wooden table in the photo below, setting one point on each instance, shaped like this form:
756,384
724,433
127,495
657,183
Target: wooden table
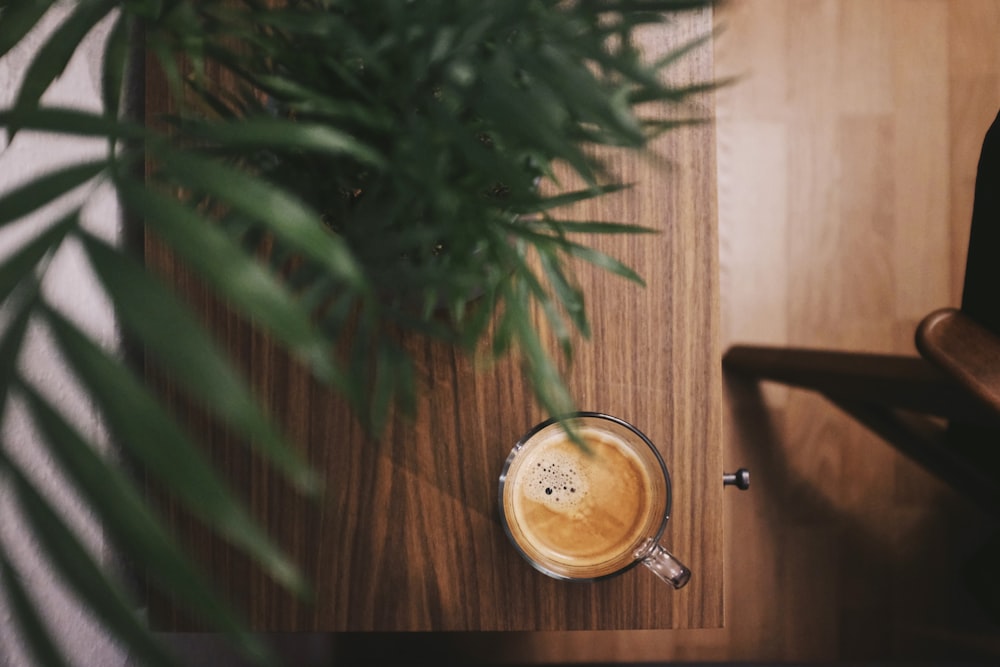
407,536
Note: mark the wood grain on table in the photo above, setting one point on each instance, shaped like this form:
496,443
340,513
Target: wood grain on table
406,536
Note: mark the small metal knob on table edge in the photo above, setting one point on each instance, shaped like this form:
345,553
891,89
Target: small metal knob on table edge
740,479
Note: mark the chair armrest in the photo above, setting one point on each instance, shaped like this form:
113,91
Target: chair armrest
965,350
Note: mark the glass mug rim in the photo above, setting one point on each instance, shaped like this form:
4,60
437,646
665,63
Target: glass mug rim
584,414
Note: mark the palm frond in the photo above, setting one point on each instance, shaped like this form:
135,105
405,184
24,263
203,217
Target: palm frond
370,167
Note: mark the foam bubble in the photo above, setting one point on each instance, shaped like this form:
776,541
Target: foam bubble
555,478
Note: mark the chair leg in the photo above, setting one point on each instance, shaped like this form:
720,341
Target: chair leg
894,381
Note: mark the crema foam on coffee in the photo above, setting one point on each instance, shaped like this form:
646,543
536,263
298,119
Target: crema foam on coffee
587,512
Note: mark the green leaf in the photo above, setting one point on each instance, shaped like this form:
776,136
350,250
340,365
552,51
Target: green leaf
475,319
324,24
588,99
284,214
11,340
58,120
383,384
405,379
567,198
147,9
237,277
603,261
113,65
546,380
570,297
51,59
131,525
281,134
19,288
77,568
308,100
43,190
359,364
158,44
185,352
592,227
656,127
676,94
212,102
675,55
527,279
143,427
18,266
37,637
17,21
543,124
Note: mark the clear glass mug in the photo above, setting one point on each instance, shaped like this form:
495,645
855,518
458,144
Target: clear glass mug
585,514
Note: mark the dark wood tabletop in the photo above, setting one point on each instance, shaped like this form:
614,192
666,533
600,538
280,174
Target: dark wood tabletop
407,535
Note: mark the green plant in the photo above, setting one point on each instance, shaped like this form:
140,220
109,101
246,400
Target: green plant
371,167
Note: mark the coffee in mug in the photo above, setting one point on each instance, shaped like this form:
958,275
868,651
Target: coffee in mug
589,508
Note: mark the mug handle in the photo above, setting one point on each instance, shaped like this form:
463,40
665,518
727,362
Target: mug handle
664,564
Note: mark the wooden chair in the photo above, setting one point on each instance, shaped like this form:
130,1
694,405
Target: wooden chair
942,406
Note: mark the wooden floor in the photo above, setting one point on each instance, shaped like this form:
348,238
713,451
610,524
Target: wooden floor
847,154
